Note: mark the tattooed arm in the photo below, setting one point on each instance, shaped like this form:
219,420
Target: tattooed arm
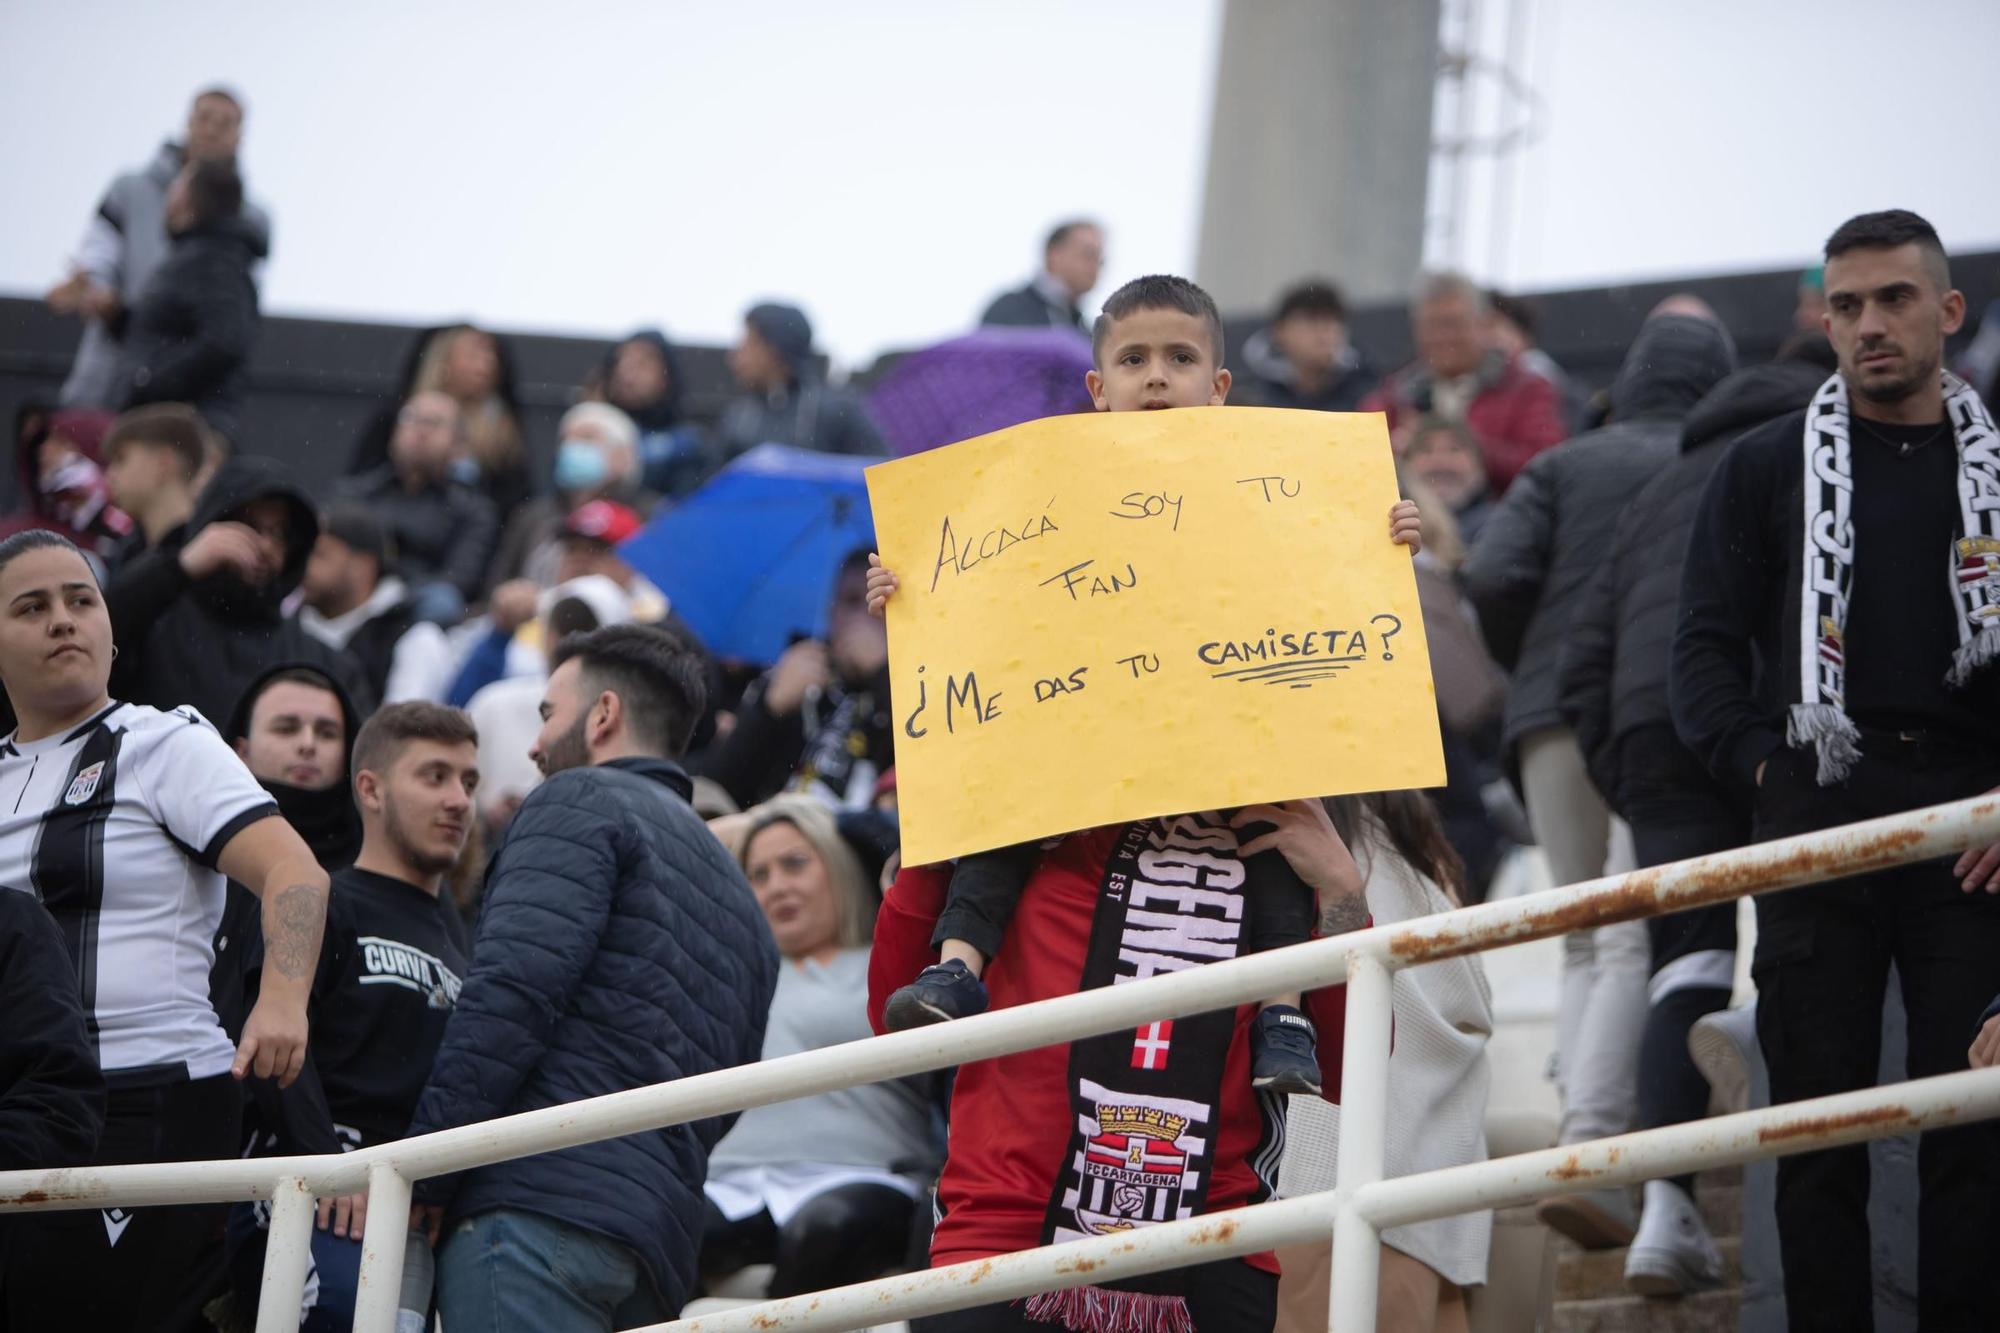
272,861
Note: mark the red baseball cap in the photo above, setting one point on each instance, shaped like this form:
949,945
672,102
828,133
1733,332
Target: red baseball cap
604,521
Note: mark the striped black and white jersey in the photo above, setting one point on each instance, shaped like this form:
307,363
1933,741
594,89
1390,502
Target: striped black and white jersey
116,827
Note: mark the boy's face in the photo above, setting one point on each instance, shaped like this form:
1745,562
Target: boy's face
1155,359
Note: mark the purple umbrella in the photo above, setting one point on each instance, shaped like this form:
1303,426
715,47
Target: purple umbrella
985,381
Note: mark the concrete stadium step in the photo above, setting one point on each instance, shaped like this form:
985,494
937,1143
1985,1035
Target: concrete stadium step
1591,1295
1586,1275
1709,1312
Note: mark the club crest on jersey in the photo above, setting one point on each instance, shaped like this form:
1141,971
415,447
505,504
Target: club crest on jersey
85,785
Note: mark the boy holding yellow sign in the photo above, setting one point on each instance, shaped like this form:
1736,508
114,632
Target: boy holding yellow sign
1158,346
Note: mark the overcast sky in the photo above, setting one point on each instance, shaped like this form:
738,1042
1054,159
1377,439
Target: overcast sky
605,164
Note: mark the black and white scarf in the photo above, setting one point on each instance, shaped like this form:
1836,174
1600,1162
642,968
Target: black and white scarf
1820,717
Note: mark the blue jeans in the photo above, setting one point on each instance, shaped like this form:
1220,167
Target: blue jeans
507,1270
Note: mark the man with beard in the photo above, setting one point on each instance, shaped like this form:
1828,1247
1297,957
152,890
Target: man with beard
1838,629
201,616
618,947
818,721
389,976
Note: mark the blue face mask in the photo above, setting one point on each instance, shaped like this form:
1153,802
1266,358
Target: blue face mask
580,466
464,471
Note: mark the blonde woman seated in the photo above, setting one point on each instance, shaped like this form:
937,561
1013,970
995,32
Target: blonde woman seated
1437,1086
818,1187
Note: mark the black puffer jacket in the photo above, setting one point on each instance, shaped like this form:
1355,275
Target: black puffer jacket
1620,649
189,336
181,642
618,947
1537,554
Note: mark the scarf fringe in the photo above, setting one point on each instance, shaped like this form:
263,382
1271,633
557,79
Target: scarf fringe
1832,733
1975,653
1101,1310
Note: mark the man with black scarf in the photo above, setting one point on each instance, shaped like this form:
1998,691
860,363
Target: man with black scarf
1838,653
201,616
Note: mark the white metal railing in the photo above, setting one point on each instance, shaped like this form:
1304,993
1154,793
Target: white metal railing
1354,1213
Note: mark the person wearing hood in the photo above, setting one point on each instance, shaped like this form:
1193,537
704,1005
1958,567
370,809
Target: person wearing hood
294,730
189,336
60,461
1525,577
785,400
126,240
597,458
641,377
1303,358
1614,696
523,623
201,616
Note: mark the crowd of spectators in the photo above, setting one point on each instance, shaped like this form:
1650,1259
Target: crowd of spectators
477,715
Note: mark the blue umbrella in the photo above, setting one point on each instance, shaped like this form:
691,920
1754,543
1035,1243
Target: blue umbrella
748,561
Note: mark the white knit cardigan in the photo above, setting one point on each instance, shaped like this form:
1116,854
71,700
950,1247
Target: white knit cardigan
1437,1077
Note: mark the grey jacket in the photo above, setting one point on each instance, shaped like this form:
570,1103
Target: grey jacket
1537,555
121,248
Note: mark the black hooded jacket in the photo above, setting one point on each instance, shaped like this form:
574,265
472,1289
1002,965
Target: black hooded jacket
1537,554
190,335
1619,655
181,642
327,820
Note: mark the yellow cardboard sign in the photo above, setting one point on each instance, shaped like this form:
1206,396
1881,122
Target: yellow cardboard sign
1112,616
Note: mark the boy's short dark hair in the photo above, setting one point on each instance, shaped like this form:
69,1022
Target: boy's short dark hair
383,737
172,426
215,191
1885,231
1157,291
355,526
657,676
1062,231
1314,298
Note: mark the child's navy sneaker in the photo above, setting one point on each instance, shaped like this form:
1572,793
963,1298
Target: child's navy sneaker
1282,1043
941,992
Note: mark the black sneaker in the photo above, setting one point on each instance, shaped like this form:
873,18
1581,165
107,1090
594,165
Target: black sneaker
1281,1044
941,992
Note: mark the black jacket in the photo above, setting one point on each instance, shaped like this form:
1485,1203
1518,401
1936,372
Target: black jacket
1736,649
446,531
1539,551
1027,308
203,643
51,1093
1616,664
763,751
1268,380
187,339
618,946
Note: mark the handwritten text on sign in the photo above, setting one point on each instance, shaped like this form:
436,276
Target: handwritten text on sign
1090,604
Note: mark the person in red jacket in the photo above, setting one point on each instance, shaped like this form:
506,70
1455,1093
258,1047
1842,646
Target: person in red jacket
1460,376
1132,1128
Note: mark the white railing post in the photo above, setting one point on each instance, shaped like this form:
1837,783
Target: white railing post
382,1246
287,1256
1364,1128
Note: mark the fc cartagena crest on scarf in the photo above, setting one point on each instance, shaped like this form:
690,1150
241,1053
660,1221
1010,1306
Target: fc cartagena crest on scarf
1142,1144
1142,1160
